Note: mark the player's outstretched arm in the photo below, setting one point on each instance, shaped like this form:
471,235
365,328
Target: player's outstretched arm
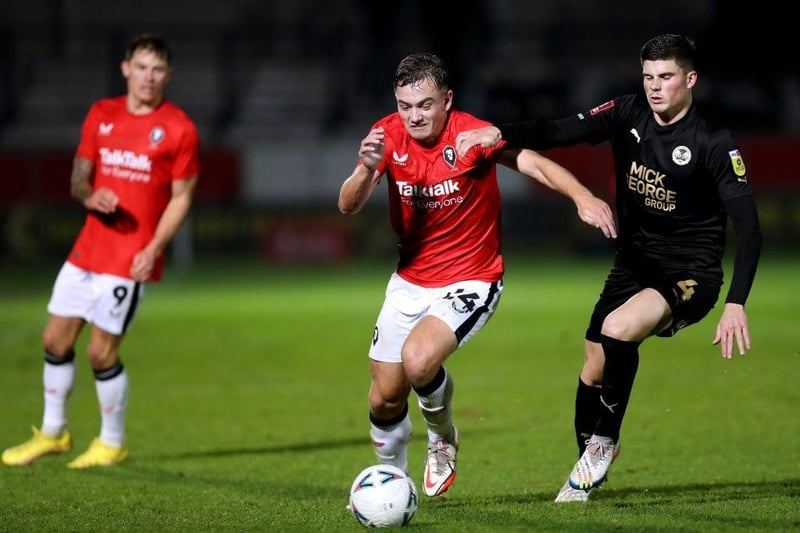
591,209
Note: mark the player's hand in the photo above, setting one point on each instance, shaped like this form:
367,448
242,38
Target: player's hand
597,213
733,326
487,137
372,148
102,200
142,265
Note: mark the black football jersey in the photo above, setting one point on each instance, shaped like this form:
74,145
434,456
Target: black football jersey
671,181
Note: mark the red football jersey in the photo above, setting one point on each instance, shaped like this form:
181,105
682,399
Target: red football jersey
138,157
444,209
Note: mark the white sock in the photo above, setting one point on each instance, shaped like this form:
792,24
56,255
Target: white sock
58,381
437,412
112,395
391,443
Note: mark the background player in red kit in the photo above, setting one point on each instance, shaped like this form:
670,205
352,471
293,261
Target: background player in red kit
446,212
135,170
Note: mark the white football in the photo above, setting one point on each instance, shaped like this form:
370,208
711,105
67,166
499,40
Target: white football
383,496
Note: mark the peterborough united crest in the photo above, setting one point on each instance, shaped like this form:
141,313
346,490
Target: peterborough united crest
681,155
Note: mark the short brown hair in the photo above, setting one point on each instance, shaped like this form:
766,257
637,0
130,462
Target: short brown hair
152,42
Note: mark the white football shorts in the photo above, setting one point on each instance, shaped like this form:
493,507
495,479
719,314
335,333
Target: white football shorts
109,302
465,306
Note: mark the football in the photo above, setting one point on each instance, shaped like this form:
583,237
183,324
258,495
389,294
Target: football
383,496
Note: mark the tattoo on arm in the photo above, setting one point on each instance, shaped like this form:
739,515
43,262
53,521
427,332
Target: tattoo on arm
80,187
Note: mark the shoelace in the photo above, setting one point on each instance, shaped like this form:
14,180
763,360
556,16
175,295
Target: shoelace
599,450
442,457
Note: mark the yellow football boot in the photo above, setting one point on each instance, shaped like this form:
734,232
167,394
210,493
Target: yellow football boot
100,454
38,445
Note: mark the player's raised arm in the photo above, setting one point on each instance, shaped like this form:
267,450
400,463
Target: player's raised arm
358,187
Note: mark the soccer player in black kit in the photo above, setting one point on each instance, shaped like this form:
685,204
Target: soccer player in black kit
678,180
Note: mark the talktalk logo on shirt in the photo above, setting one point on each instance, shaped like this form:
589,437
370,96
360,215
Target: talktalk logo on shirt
444,188
125,164
430,196
125,158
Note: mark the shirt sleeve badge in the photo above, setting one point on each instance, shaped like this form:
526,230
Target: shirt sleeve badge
738,163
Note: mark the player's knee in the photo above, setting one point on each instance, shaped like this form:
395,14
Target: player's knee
387,400
613,327
592,371
384,408
101,356
56,345
419,369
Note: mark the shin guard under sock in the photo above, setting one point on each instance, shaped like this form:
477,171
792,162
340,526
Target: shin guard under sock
587,413
619,372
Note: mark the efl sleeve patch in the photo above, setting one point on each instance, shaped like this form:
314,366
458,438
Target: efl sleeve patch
601,107
737,162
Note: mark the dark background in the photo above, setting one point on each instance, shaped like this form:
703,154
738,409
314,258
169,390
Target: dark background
283,91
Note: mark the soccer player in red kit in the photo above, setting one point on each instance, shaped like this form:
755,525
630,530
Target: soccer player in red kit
445,210
134,171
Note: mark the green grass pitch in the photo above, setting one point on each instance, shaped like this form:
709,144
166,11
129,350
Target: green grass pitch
248,409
